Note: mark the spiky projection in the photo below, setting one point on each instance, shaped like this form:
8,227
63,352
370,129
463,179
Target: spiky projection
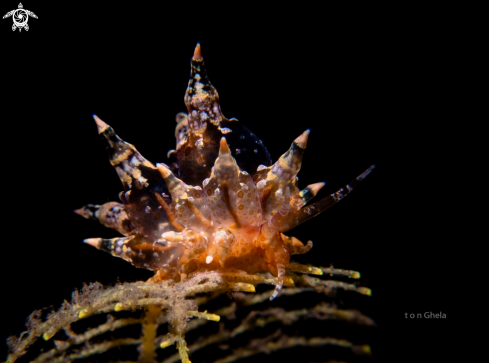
212,219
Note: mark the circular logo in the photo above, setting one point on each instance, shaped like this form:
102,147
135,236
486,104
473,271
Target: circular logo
20,17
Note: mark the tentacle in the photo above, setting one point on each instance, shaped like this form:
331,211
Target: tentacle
112,215
288,165
199,146
231,195
115,246
283,173
189,206
176,187
201,97
309,192
313,210
280,281
242,193
274,224
140,252
294,246
300,250
277,257
217,188
194,243
225,168
141,181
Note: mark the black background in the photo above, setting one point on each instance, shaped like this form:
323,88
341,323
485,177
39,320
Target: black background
374,87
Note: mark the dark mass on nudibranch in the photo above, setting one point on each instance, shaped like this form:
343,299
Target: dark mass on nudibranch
220,204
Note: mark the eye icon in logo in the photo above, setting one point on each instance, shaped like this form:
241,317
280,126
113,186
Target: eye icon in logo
20,17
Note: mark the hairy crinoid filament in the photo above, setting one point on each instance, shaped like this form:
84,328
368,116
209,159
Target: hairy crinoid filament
211,221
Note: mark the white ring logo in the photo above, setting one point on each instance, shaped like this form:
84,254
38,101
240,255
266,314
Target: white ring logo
20,17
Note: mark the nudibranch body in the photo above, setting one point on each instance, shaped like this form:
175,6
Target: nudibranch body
219,205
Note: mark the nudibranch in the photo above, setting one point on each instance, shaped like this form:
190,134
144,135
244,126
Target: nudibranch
220,204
